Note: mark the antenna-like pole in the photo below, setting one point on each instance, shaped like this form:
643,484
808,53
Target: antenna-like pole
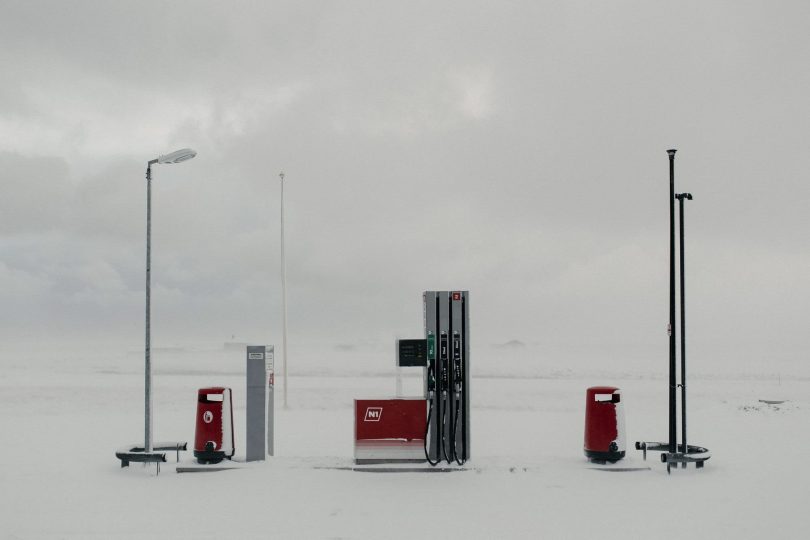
147,442
672,379
681,197
283,292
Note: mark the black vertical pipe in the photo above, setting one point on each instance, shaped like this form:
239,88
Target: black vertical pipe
672,383
464,378
147,444
447,375
683,330
681,197
439,411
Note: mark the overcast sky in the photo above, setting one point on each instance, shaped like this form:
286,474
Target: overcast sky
515,149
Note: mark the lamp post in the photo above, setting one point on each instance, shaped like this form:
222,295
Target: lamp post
174,157
283,292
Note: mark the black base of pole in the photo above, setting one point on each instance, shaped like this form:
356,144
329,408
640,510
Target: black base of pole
691,454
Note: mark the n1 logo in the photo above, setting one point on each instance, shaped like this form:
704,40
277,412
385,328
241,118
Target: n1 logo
373,414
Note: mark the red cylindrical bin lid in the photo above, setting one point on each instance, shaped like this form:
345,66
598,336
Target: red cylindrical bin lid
212,390
602,390
594,392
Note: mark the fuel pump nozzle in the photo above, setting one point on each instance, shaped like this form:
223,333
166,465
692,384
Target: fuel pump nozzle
457,363
444,403
431,366
431,391
443,356
431,383
457,383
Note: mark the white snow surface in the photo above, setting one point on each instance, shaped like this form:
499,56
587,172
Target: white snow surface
63,416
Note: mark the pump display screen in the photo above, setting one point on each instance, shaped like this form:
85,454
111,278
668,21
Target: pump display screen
412,352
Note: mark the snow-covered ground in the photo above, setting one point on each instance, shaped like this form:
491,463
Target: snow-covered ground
64,416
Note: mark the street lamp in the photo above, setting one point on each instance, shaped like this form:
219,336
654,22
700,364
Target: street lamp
177,156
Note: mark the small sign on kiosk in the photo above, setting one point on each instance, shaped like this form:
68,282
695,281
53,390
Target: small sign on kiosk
412,352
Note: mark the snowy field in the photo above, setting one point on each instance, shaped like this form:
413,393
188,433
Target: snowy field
63,418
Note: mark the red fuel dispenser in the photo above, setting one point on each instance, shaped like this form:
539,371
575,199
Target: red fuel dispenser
213,437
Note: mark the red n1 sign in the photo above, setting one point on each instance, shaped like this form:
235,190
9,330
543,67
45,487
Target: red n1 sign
402,418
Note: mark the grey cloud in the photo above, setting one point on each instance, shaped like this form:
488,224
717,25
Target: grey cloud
37,195
513,149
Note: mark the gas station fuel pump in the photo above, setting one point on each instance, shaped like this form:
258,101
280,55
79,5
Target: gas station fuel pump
436,425
447,430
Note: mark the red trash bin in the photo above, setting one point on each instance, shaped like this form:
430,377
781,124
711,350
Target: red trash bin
213,437
604,424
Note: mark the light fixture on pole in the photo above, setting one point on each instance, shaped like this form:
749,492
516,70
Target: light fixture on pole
177,156
283,292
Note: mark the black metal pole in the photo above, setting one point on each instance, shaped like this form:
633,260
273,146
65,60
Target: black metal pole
681,197
147,443
672,383
683,333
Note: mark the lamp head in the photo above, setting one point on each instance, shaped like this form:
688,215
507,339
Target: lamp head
177,156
